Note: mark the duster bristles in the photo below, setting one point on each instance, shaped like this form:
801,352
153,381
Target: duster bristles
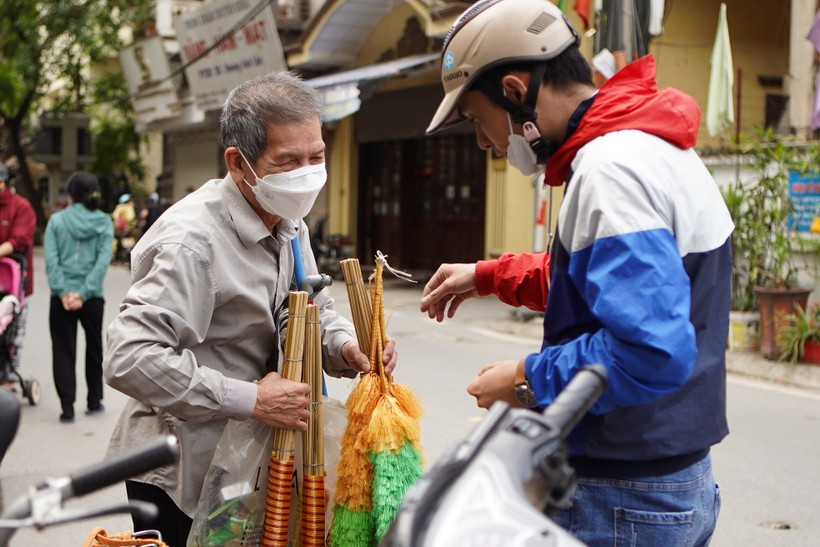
407,401
353,483
389,427
354,470
393,474
351,528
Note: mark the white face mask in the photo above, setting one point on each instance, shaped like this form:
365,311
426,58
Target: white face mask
519,153
290,194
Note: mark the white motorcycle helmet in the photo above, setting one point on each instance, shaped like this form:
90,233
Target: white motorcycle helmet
492,33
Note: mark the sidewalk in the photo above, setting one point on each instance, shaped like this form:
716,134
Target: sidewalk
745,363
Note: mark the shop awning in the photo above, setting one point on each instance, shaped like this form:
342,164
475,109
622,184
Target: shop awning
341,91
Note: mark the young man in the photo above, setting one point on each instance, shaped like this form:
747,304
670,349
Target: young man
639,271
196,342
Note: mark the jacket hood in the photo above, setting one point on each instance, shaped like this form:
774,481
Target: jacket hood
630,100
81,223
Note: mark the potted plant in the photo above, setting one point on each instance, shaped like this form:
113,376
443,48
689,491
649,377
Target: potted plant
800,338
744,317
765,243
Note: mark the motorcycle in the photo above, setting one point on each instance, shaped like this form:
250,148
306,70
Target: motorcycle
503,482
43,507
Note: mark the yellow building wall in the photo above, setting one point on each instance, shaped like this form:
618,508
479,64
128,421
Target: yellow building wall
759,36
385,35
343,173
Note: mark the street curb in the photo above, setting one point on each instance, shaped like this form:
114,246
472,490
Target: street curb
754,365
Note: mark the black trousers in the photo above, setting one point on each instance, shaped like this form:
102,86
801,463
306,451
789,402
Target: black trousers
172,523
63,325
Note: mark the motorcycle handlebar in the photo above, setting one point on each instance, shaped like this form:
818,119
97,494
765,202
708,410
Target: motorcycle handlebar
156,453
576,398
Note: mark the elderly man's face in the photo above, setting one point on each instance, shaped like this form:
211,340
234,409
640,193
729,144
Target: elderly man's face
290,146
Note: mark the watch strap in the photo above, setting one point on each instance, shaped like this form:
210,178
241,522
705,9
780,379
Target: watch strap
520,374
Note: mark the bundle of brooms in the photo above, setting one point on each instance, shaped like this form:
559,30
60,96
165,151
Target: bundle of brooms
380,450
280,473
302,361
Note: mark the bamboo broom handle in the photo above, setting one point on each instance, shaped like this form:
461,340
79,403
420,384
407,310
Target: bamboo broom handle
283,439
377,336
313,489
277,501
313,377
359,301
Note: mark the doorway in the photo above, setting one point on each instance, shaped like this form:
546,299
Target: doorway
422,201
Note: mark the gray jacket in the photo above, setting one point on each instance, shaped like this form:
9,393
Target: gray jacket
198,326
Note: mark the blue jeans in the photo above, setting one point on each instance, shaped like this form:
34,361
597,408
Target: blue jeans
675,510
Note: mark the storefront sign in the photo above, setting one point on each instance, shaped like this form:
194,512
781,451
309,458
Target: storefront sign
804,192
339,101
249,50
148,75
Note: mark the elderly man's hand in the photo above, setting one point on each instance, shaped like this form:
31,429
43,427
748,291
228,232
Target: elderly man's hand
495,382
282,403
360,362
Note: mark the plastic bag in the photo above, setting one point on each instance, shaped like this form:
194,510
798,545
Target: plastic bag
231,509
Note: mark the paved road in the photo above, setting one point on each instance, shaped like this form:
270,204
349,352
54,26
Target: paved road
767,466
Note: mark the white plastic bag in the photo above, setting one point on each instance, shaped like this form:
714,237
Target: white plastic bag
231,509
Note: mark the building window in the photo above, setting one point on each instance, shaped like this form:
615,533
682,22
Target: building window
775,108
50,140
83,142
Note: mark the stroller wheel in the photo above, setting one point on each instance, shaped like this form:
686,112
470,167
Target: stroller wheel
31,389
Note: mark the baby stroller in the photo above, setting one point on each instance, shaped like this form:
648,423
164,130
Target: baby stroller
13,285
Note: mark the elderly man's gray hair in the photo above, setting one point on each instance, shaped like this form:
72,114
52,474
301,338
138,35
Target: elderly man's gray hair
278,97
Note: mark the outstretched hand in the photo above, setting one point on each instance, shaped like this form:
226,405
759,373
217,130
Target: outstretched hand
282,403
453,284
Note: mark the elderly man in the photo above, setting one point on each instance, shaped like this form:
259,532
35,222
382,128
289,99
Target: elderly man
196,341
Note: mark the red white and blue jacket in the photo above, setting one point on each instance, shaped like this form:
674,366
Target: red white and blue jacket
638,277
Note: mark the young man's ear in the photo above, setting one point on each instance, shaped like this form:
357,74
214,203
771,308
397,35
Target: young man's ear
515,86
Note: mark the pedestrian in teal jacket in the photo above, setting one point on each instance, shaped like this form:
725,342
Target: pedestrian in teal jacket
78,251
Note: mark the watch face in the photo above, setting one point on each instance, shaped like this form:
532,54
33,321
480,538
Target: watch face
525,395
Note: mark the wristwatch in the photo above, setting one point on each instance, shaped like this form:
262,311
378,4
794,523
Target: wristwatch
523,391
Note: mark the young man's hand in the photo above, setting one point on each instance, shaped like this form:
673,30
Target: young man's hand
453,283
495,382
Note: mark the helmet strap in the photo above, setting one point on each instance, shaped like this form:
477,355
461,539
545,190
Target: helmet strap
522,113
